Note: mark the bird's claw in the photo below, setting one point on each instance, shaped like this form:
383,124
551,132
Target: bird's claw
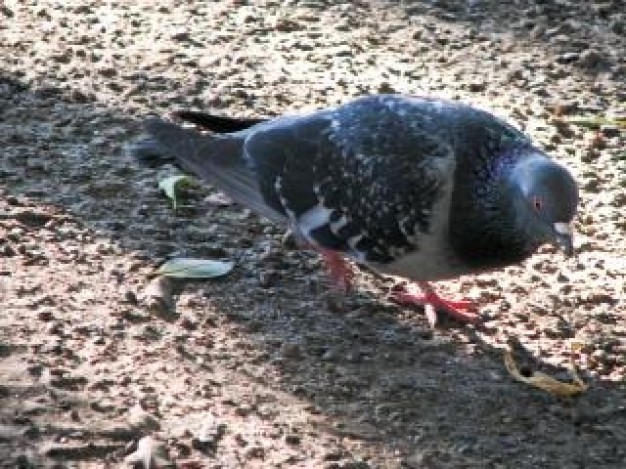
341,274
432,302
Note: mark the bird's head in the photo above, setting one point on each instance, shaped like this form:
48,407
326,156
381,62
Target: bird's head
546,198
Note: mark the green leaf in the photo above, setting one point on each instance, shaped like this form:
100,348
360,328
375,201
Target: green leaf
194,268
596,122
169,185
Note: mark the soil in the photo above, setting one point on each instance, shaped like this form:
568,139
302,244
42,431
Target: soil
102,367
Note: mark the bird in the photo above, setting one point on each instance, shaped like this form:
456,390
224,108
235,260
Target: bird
422,188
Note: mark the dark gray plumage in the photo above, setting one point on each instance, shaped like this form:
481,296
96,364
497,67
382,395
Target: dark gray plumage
423,188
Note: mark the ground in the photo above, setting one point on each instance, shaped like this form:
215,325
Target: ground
260,368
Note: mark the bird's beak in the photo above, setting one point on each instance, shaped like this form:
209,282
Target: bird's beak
565,237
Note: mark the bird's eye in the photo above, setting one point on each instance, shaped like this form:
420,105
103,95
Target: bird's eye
537,203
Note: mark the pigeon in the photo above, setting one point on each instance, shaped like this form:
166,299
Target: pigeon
422,188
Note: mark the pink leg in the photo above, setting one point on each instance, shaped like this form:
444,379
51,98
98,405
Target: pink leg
432,302
340,271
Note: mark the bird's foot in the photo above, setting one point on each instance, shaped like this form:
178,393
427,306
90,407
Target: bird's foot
432,302
341,274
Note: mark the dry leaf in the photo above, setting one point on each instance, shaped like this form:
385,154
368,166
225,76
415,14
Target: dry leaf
545,382
150,454
596,122
182,267
158,296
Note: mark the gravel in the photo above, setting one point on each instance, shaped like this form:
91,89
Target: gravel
262,368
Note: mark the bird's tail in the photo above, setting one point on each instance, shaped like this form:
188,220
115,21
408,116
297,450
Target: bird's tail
218,159
217,124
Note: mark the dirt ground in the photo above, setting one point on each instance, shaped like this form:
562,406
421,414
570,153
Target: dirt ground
258,368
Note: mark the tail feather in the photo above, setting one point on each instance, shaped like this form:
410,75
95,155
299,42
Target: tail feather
217,124
215,158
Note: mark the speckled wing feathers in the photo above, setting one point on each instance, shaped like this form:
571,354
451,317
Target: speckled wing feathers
361,179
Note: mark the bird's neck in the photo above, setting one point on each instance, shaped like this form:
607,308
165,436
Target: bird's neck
485,233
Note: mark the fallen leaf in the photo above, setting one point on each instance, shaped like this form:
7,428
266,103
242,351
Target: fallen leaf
150,454
169,185
158,295
596,122
194,268
545,382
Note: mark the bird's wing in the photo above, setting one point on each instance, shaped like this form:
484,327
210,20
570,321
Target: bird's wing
363,179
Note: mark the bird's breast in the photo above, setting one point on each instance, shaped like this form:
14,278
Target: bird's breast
433,257
431,261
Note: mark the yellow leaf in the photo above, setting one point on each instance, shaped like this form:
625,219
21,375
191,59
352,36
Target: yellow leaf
596,122
545,382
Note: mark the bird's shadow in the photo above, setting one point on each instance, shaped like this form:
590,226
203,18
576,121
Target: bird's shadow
392,382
